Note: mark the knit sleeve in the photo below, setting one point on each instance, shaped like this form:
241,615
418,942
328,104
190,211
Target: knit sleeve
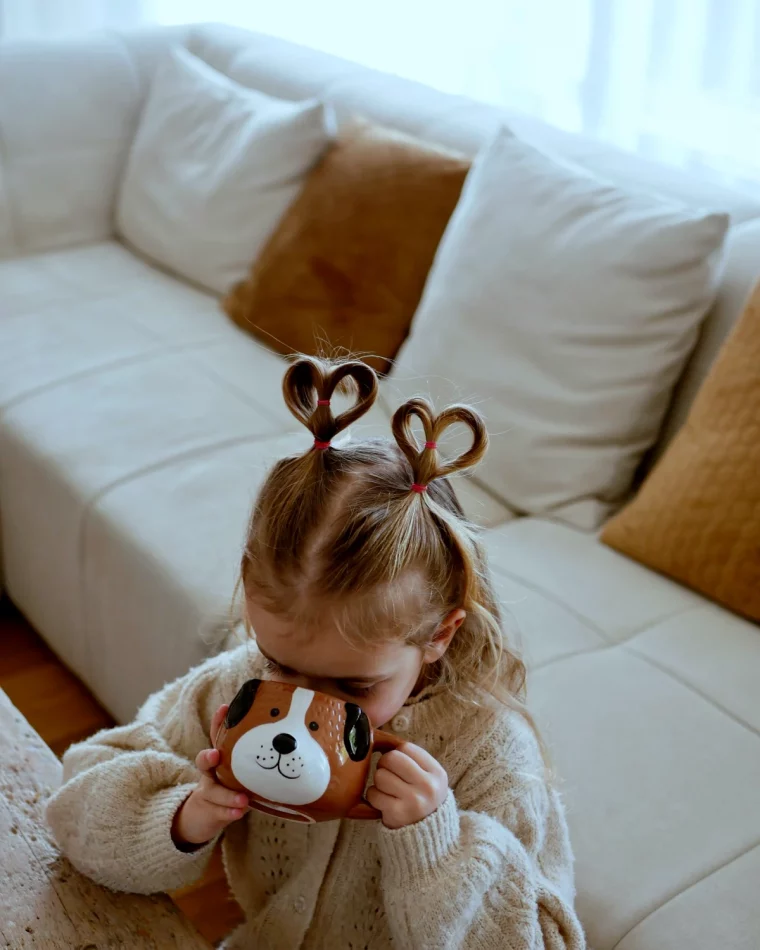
113,814
492,867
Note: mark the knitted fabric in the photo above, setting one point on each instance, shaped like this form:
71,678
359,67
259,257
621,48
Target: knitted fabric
491,868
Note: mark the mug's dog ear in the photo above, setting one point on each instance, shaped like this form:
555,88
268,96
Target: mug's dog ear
241,704
357,733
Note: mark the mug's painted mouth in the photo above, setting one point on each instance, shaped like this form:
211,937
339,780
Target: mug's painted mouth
271,768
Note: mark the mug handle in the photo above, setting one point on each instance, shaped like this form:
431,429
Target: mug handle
382,742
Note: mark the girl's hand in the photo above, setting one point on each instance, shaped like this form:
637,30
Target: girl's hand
409,785
210,807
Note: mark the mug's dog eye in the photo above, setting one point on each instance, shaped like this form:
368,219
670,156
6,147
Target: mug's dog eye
274,712
313,726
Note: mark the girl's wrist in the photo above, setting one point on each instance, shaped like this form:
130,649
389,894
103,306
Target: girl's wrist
181,843
418,849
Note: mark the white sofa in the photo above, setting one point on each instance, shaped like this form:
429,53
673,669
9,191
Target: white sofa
136,423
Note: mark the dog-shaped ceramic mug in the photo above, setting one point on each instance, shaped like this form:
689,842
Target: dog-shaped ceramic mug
298,754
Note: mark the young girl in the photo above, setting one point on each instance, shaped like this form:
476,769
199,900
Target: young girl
363,579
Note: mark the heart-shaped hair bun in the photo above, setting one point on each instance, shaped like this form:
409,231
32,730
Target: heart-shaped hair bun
427,464
308,387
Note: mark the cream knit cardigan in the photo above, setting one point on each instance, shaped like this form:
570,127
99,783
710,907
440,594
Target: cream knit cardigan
490,869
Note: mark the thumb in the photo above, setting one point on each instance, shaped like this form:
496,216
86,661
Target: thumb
217,720
207,760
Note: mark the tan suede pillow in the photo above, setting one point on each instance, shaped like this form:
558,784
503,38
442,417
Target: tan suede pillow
697,516
347,265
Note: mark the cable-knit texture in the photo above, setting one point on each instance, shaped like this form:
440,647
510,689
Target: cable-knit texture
491,868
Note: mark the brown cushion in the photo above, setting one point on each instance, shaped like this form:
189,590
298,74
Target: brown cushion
347,265
697,516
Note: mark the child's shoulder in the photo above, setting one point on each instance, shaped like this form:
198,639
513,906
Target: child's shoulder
497,757
230,668
206,686
497,733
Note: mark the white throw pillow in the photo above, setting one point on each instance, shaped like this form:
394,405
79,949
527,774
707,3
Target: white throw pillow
564,308
213,167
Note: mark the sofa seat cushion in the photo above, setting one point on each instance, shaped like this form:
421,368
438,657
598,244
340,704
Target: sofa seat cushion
613,595
660,784
647,695
159,565
72,312
690,918
93,390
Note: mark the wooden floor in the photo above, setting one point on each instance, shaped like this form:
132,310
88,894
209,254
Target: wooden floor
62,711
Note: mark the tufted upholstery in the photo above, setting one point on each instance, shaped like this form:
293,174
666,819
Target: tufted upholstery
136,423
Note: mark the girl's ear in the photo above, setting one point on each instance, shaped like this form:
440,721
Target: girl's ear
444,635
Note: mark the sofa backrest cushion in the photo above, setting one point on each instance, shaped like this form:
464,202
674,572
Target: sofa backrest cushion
213,167
68,111
697,516
349,260
566,307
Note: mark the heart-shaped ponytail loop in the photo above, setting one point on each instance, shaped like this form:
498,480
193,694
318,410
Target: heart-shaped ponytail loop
308,387
425,459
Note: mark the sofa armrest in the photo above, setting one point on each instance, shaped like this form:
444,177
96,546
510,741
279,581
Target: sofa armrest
68,112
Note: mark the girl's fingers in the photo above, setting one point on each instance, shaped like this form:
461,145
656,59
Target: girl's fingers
390,783
379,800
403,765
217,720
423,758
222,814
207,760
219,795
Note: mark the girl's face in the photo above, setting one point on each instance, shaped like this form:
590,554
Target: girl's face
379,678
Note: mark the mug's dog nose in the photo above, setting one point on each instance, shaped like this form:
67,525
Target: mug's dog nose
284,743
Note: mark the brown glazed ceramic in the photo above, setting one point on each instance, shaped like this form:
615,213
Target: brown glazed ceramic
298,754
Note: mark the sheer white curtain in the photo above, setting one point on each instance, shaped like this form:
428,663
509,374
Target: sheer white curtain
34,18
677,80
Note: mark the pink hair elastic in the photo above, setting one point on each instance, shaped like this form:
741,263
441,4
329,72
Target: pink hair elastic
321,445
323,402
419,488
431,445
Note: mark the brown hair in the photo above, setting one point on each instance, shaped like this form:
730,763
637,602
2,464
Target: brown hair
338,527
